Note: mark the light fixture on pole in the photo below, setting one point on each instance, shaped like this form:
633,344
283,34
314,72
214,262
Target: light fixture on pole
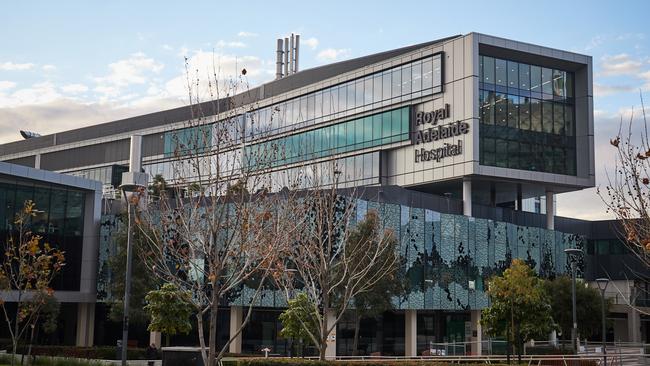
602,286
133,181
573,254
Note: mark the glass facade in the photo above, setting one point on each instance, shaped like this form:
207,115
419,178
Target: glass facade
108,175
527,117
411,80
361,133
414,79
59,220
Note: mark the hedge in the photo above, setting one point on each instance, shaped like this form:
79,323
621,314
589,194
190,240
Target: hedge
98,353
305,362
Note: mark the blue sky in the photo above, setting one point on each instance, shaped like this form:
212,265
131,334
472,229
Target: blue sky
67,64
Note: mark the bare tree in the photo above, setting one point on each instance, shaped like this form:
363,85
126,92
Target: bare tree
322,261
627,197
627,194
217,229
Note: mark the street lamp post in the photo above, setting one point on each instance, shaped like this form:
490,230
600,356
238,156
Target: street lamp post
602,285
133,181
573,254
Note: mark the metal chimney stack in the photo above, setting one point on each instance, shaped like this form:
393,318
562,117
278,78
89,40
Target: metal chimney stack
278,60
286,61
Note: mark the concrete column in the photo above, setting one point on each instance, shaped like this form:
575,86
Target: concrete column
467,197
330,350
634,326
550,210
477,333
236,318
552,338
37,161
85,324
156,339
411,333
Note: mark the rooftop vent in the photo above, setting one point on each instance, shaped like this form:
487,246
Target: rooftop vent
287,56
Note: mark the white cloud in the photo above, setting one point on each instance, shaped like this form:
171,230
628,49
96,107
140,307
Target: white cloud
6,85
66,114
621,64
602,90
38,93
74,88
233,44
136,69
167,47
311,42
10,66
226,66
247,34
332,54
48,67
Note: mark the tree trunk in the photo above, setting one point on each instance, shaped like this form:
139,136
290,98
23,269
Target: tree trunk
214,306
31,341
355,343
167,337
323,343
199,325
14,345
519,342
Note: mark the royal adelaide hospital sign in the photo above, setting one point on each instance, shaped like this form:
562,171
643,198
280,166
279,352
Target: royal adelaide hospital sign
427,130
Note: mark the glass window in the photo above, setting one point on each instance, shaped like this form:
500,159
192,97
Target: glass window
513,154
396,118
488,70
536,115
488,155
57,212
513,111
396,77
524,113
536,79
437,73
406,79
547,116
386,128
548,159
501,109
501,72
524,76
376,129
558,118
327,102
569,84
352,137
334,100
360,97
569,126
377,89
513,74
487,107
343,99
547,86
367,131
303,109
367,90
559,88
480,68
386,85
341,138
318,105
427,70
501,153
352,87
311,106
416,84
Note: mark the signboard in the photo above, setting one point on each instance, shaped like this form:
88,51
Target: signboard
428,130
